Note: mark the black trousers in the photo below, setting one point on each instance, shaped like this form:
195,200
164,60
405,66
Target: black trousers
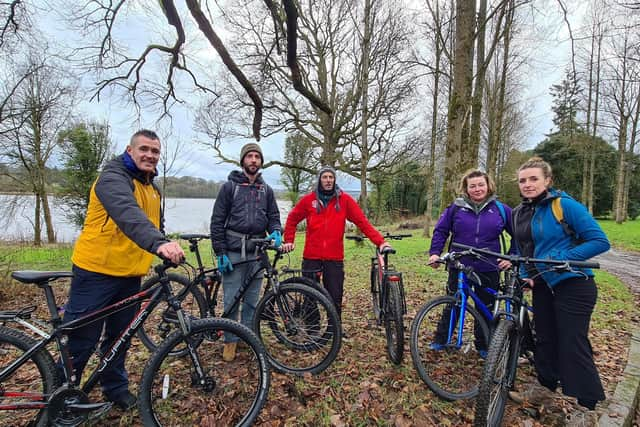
489,279
332,278
563,352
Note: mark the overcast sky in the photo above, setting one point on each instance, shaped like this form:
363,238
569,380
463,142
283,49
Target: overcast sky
550,63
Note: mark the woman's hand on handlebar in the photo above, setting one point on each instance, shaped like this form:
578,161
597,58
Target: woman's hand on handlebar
433,261
383,245
287,247
504,264
171,251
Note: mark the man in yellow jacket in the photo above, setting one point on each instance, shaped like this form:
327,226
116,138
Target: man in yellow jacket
122,232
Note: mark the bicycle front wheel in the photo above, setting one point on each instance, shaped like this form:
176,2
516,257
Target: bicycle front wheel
375,290
393,324
299,328
446,349
203,389
498,375
163,320
37,376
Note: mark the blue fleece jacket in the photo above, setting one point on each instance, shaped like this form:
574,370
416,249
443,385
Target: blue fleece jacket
551,241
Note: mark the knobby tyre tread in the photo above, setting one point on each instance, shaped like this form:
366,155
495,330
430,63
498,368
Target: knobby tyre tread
309,282
232,392
304,339
375,291
162,321
13,344
498,375
393,325
452,373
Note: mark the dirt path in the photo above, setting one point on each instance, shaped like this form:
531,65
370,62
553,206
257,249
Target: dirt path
624,265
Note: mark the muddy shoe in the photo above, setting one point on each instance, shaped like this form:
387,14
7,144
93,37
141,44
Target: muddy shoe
534,394
229,351
581,417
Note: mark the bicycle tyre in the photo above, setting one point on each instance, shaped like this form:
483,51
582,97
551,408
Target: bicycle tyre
452,372
393,324
305,335
171,385
375,290
309,282
13,344
162,321
498,375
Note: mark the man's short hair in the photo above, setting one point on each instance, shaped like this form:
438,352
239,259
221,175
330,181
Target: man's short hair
146,133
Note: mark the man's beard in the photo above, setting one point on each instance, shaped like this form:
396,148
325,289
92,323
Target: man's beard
248,171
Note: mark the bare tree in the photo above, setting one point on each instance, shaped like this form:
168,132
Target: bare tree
38,110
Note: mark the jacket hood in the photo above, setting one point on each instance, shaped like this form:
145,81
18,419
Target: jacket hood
464,202
126,163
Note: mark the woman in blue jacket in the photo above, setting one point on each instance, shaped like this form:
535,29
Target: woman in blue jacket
475,219
563,302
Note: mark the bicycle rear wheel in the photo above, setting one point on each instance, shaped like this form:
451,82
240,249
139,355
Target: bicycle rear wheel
309,282
38,375
299,328
163,320
445,354
498,375
202,389
393,324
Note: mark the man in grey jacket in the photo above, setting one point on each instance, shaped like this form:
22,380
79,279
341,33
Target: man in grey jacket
245,208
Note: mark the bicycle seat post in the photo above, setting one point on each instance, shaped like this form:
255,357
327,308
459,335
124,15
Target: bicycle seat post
56,320
193,247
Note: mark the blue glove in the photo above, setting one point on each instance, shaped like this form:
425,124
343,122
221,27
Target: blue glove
276,237
224,265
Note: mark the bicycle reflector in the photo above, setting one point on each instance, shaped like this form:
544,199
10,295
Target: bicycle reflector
393,278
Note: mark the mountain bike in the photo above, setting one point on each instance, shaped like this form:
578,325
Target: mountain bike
297,324
449,337
36,391
387,297
509,339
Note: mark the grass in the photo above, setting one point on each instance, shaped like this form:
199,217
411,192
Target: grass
623,236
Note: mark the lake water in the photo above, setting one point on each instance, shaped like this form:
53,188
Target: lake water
181,216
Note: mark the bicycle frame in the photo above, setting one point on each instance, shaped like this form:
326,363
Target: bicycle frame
384,275
153,296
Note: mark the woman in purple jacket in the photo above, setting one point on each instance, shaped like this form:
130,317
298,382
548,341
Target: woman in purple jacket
475,219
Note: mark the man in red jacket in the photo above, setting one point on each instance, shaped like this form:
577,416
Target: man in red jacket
326,211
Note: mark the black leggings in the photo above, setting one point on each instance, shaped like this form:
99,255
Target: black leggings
332,278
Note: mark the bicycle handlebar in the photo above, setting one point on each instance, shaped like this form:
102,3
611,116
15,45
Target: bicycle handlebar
516,259
194,236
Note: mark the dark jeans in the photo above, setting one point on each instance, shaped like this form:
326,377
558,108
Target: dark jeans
332,278
563,351
89,292
489,279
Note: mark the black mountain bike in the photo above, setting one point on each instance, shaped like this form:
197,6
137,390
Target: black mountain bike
297,324
387,297
33,391
511,336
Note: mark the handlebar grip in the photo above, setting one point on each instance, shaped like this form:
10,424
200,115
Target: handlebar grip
356,238
388,250
584,264
190,236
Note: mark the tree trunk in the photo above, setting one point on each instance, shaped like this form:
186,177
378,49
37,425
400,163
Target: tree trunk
37,227
592,166
618,200
366,51
478,90
460,100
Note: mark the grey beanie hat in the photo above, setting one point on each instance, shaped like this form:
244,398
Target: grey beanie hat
247,148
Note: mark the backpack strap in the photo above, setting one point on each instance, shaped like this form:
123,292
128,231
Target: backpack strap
558,214
234,192
503,214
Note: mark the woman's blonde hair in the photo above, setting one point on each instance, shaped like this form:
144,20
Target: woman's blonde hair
537,162
475,173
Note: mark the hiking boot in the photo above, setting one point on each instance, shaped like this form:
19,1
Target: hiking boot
534,394
229,351
581,417
125,401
